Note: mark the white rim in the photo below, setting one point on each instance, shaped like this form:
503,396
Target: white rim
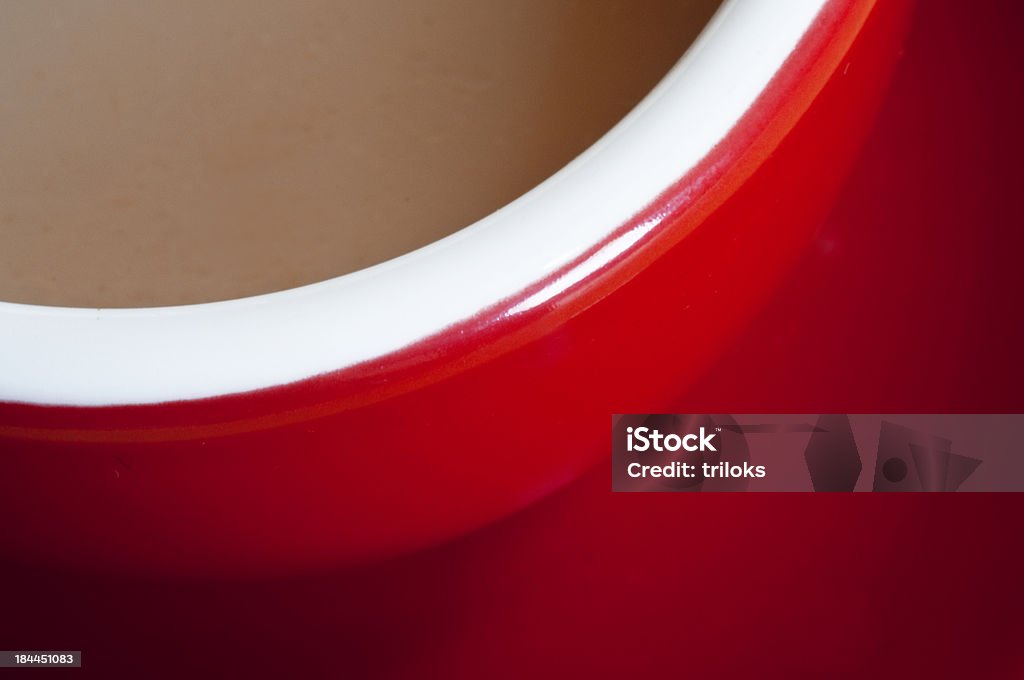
92,357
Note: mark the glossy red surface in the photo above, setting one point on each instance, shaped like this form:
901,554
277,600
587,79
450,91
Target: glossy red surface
906,303
482,420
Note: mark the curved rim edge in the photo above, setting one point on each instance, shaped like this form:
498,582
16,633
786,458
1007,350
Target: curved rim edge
103,357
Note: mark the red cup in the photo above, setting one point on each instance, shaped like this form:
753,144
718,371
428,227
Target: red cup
404,404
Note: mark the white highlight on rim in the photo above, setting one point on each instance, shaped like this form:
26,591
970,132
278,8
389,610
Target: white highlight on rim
92,357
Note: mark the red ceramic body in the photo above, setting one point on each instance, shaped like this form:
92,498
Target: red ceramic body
482,419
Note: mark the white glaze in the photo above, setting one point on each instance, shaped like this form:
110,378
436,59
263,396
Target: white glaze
55,355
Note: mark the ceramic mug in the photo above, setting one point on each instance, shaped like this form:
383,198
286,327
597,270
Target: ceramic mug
404,404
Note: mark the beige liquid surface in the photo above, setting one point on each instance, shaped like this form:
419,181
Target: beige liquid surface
159,153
